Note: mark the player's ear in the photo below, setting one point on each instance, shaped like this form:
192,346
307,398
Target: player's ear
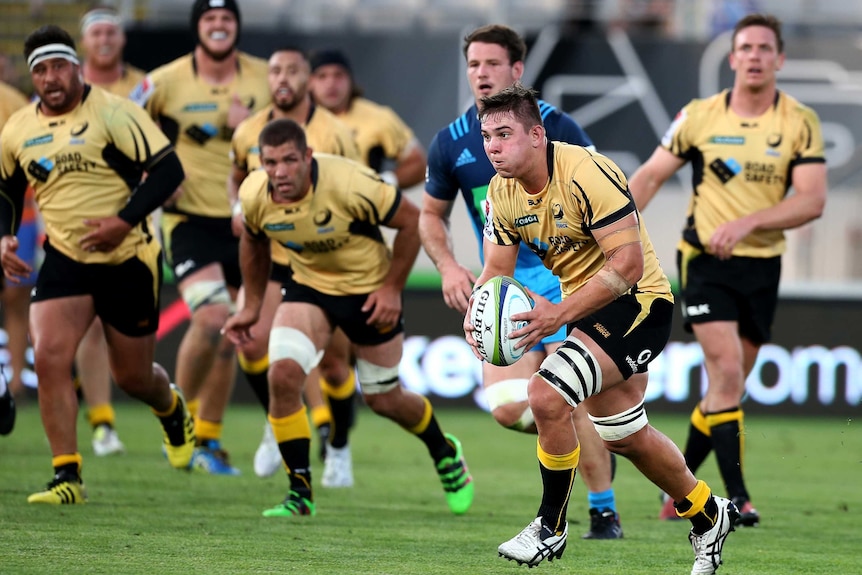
518,70
537,135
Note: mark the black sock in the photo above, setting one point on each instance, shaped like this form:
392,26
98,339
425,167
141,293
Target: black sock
556,487
343,411
295,455
435,441
727,442
259,384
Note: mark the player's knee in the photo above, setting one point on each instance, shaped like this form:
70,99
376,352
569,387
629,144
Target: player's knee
208,321
507,401
545,402
572,371
205,294
286,378
287,343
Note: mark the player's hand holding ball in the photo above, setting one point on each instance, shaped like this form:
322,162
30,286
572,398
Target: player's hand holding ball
495,318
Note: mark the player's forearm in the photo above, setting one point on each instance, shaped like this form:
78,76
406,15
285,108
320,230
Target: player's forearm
405,248
795,211
411,169
255,261
163,178
643,186
434,232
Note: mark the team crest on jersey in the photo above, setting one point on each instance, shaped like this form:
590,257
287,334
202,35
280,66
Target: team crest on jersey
79,129
773,140
322,217
558,214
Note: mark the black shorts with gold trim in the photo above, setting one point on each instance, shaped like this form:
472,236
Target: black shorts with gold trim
125,296
740,289
344,311
194,242
632,330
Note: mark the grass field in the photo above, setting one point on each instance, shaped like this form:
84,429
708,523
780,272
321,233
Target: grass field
143,517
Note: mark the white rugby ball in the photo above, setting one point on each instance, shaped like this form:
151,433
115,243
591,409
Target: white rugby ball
493,305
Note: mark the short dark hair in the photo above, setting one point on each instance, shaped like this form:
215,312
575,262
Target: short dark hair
765,20
292,48
48,34
502,36
518,100
279,132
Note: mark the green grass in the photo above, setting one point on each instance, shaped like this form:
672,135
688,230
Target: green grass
143,517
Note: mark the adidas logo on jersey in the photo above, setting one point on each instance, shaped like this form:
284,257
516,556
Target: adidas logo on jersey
465,158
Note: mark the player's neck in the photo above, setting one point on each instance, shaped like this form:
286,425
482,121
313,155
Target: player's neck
102,76
298,113
536,179
215,71
748,103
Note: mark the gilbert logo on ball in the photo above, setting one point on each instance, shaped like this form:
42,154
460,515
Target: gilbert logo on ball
494,303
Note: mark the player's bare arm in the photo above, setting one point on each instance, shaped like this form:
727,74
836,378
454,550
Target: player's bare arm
804,205
385,302
457,280
237,175
651,176
411,166
624,264
255,261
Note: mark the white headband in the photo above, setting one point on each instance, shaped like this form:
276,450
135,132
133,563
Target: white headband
99,17
50,51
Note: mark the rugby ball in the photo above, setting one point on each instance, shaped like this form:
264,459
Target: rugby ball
493,304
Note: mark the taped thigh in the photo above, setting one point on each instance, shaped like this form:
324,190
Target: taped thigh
290,343
206,292
621,425
376,379
573,371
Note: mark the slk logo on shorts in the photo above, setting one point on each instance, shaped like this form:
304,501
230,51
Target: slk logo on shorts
695,310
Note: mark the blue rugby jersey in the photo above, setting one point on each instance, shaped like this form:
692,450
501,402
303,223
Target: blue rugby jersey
457,161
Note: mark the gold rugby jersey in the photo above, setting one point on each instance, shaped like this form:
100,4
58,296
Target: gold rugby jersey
127,82
380,134
741,165
11,100
193,114
332,236
324,132
83,165
586,191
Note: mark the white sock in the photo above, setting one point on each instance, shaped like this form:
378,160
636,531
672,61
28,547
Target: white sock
2,384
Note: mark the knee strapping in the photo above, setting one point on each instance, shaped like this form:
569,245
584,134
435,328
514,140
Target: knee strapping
208,292
290,343
376,379
621,425
510,391
573,371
